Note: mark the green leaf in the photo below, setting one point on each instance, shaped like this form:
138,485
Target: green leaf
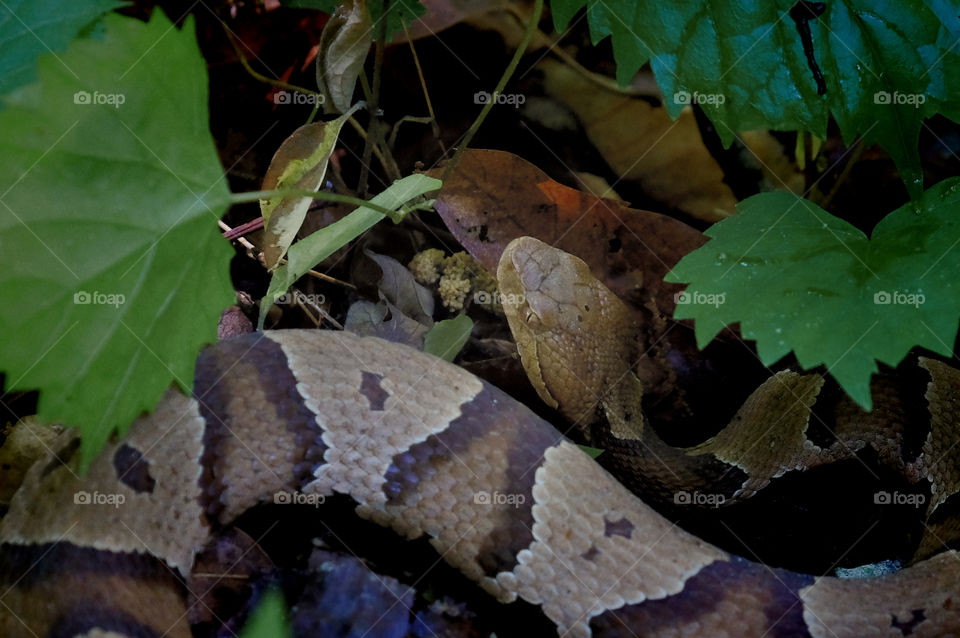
885,66
300,163
593,452
447,337
797,278
399,12
311,250
269,620
114,271
31,27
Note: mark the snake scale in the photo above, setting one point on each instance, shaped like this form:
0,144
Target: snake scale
428,449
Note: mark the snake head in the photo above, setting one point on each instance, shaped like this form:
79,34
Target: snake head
544,287
573,334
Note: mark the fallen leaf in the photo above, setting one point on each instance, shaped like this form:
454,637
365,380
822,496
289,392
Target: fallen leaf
641,143
398,286
369,319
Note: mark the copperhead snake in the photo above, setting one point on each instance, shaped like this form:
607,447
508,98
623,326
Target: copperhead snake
429,450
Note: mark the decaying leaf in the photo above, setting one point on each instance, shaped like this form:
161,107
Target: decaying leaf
399,287
409,305
640,142
344,44
369,319
301,163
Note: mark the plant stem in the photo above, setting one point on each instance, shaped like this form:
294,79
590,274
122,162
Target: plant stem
426,95
373,105
253,196
507,74
844,174
262,78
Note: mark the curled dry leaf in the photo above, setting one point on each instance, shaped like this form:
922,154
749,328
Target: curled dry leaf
301,163
344,44
640,142
369,319
398,286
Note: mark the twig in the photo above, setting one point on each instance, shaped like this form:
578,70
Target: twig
650,88
303,301
227,233
373,105
844,174
426,94
362,132
262,78
408,118
507,74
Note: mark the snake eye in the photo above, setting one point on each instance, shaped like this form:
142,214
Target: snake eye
531,318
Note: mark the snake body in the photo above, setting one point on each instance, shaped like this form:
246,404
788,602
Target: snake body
427,449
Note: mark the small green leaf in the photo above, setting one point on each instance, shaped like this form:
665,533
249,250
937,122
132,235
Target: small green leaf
269,619
311,250
300,163
592,451
797,278
114,271
447,337
31,27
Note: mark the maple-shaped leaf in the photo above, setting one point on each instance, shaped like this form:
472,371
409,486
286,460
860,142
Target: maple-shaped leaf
878,68
798,278
114,271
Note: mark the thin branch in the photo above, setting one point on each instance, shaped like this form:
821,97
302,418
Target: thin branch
507,74
426,94
373,106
